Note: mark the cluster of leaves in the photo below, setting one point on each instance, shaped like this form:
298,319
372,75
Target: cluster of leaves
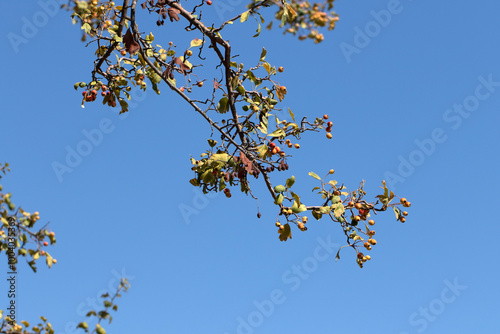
243,106
108,305
18,236
303,19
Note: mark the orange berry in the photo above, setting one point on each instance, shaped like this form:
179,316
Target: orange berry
329,135
281,69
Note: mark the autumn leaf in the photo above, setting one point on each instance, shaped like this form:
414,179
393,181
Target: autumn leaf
285,233
173,14
196,42
131,46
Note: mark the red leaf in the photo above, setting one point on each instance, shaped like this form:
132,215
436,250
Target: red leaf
248,164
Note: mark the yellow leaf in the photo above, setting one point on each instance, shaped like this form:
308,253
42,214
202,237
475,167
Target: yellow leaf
196,42
244,16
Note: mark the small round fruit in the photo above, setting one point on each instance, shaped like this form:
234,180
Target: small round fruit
52,234
181,89
209,2
357,218
42,253
282,227
329,135
407,204
297,146
283,88
54,261
200,83
402,219
325,116
189,53
351,203
372,241
281,69
123,52
403,200
366,244
368,257
371,222
304,219
329,124
405,213
371,232
358,206
278,224
331,171
301,225
45,243
259,215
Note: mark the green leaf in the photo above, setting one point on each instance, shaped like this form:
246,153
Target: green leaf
290,181
257,31
295,197
263,54
86,27
223,105
279,189
262,151
336,199
317,214
314,175
298,208
99,329
277,133
324,210
82,325
244,16
279,199
397,212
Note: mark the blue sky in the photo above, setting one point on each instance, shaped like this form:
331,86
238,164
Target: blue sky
417,103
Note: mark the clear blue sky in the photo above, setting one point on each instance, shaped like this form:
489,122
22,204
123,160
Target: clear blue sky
417,100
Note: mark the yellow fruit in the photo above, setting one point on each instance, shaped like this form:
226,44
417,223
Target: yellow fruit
297,146
329,135
372,241
371,222
189,53
278,224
